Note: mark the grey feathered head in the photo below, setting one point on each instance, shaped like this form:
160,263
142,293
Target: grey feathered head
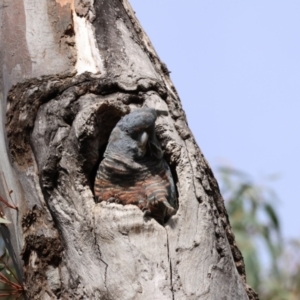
134,135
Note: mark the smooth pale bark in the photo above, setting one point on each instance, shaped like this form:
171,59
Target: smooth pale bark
70,71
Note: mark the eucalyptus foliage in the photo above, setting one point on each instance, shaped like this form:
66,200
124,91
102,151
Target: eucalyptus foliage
272,265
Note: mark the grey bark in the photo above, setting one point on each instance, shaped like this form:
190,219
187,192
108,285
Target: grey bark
59,104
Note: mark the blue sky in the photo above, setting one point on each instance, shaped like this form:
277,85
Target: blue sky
236,66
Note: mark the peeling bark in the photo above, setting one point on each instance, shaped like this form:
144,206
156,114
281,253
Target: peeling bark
98,65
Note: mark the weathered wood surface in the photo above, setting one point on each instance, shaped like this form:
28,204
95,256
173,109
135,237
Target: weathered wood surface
70,71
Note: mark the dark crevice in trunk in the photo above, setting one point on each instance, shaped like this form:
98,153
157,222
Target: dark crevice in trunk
170,267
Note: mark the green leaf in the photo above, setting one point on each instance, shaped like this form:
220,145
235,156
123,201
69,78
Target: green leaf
3,255
4,221
2,266
272,214
7,271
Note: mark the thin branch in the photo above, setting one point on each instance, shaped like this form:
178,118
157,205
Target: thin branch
9,269
9,192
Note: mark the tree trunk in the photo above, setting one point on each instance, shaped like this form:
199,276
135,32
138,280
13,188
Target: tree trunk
70,70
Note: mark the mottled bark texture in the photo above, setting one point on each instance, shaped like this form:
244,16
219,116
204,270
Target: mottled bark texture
70,71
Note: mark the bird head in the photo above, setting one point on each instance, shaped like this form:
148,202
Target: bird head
134,136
